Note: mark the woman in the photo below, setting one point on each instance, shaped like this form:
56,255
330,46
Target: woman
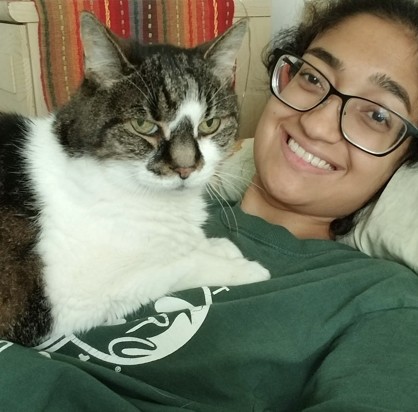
339,56
333,330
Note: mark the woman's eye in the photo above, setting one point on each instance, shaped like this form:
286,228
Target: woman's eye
209,126
143,126
311,79
381,117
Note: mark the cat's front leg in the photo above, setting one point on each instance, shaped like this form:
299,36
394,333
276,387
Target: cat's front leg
220,246
221,264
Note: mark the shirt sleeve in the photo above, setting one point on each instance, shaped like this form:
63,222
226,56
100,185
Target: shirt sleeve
372,366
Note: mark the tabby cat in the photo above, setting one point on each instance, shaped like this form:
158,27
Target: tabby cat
101,203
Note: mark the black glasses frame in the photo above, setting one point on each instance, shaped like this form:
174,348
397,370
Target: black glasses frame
411,129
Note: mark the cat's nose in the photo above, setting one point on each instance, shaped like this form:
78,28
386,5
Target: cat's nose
184,172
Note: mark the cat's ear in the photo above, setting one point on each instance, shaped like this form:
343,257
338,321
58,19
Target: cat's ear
224,49
104,61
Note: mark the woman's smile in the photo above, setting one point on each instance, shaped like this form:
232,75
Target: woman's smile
307,157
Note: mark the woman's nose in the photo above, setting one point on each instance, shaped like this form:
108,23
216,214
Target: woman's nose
323,122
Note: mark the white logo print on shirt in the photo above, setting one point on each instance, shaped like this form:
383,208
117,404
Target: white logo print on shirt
150,339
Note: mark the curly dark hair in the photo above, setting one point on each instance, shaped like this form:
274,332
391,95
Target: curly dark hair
322,15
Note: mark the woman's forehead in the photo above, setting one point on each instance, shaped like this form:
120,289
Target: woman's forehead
370,34
365,48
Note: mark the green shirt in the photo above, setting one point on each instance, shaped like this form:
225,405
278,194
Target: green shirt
333,330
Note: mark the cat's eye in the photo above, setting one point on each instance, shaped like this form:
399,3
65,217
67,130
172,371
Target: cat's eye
143,126
209,126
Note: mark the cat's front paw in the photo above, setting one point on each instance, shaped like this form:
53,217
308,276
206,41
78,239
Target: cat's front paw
249,272
212,271
242,271
224,248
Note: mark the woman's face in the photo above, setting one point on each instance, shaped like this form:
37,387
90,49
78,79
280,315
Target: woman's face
355,54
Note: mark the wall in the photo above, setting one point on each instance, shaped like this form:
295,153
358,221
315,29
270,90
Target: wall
284,13
266,17
251,79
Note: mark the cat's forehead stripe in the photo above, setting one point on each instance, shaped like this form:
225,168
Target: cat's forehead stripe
191,109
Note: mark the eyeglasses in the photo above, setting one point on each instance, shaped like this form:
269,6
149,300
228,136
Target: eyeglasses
365,124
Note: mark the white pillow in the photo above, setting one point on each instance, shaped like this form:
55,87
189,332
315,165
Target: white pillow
387,229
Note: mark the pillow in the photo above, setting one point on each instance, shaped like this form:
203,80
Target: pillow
387,229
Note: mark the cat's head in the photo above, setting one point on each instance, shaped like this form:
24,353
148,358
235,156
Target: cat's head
167,113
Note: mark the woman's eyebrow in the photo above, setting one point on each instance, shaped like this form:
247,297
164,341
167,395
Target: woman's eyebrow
325,56
379,79
385,82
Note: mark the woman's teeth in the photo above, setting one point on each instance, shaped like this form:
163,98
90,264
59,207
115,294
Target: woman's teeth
300,152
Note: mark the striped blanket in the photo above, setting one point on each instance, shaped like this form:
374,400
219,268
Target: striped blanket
180,22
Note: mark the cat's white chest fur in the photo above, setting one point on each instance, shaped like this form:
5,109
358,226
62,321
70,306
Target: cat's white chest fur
107,248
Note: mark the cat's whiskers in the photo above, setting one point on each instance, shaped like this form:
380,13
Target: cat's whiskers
248,182
215,194
151,90
221,87
237,187
224,84
238,175
218,101
146,96
235,171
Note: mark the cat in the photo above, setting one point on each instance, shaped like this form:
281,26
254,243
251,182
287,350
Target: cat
102,202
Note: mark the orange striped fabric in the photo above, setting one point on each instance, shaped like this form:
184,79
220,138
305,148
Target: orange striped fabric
180,22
